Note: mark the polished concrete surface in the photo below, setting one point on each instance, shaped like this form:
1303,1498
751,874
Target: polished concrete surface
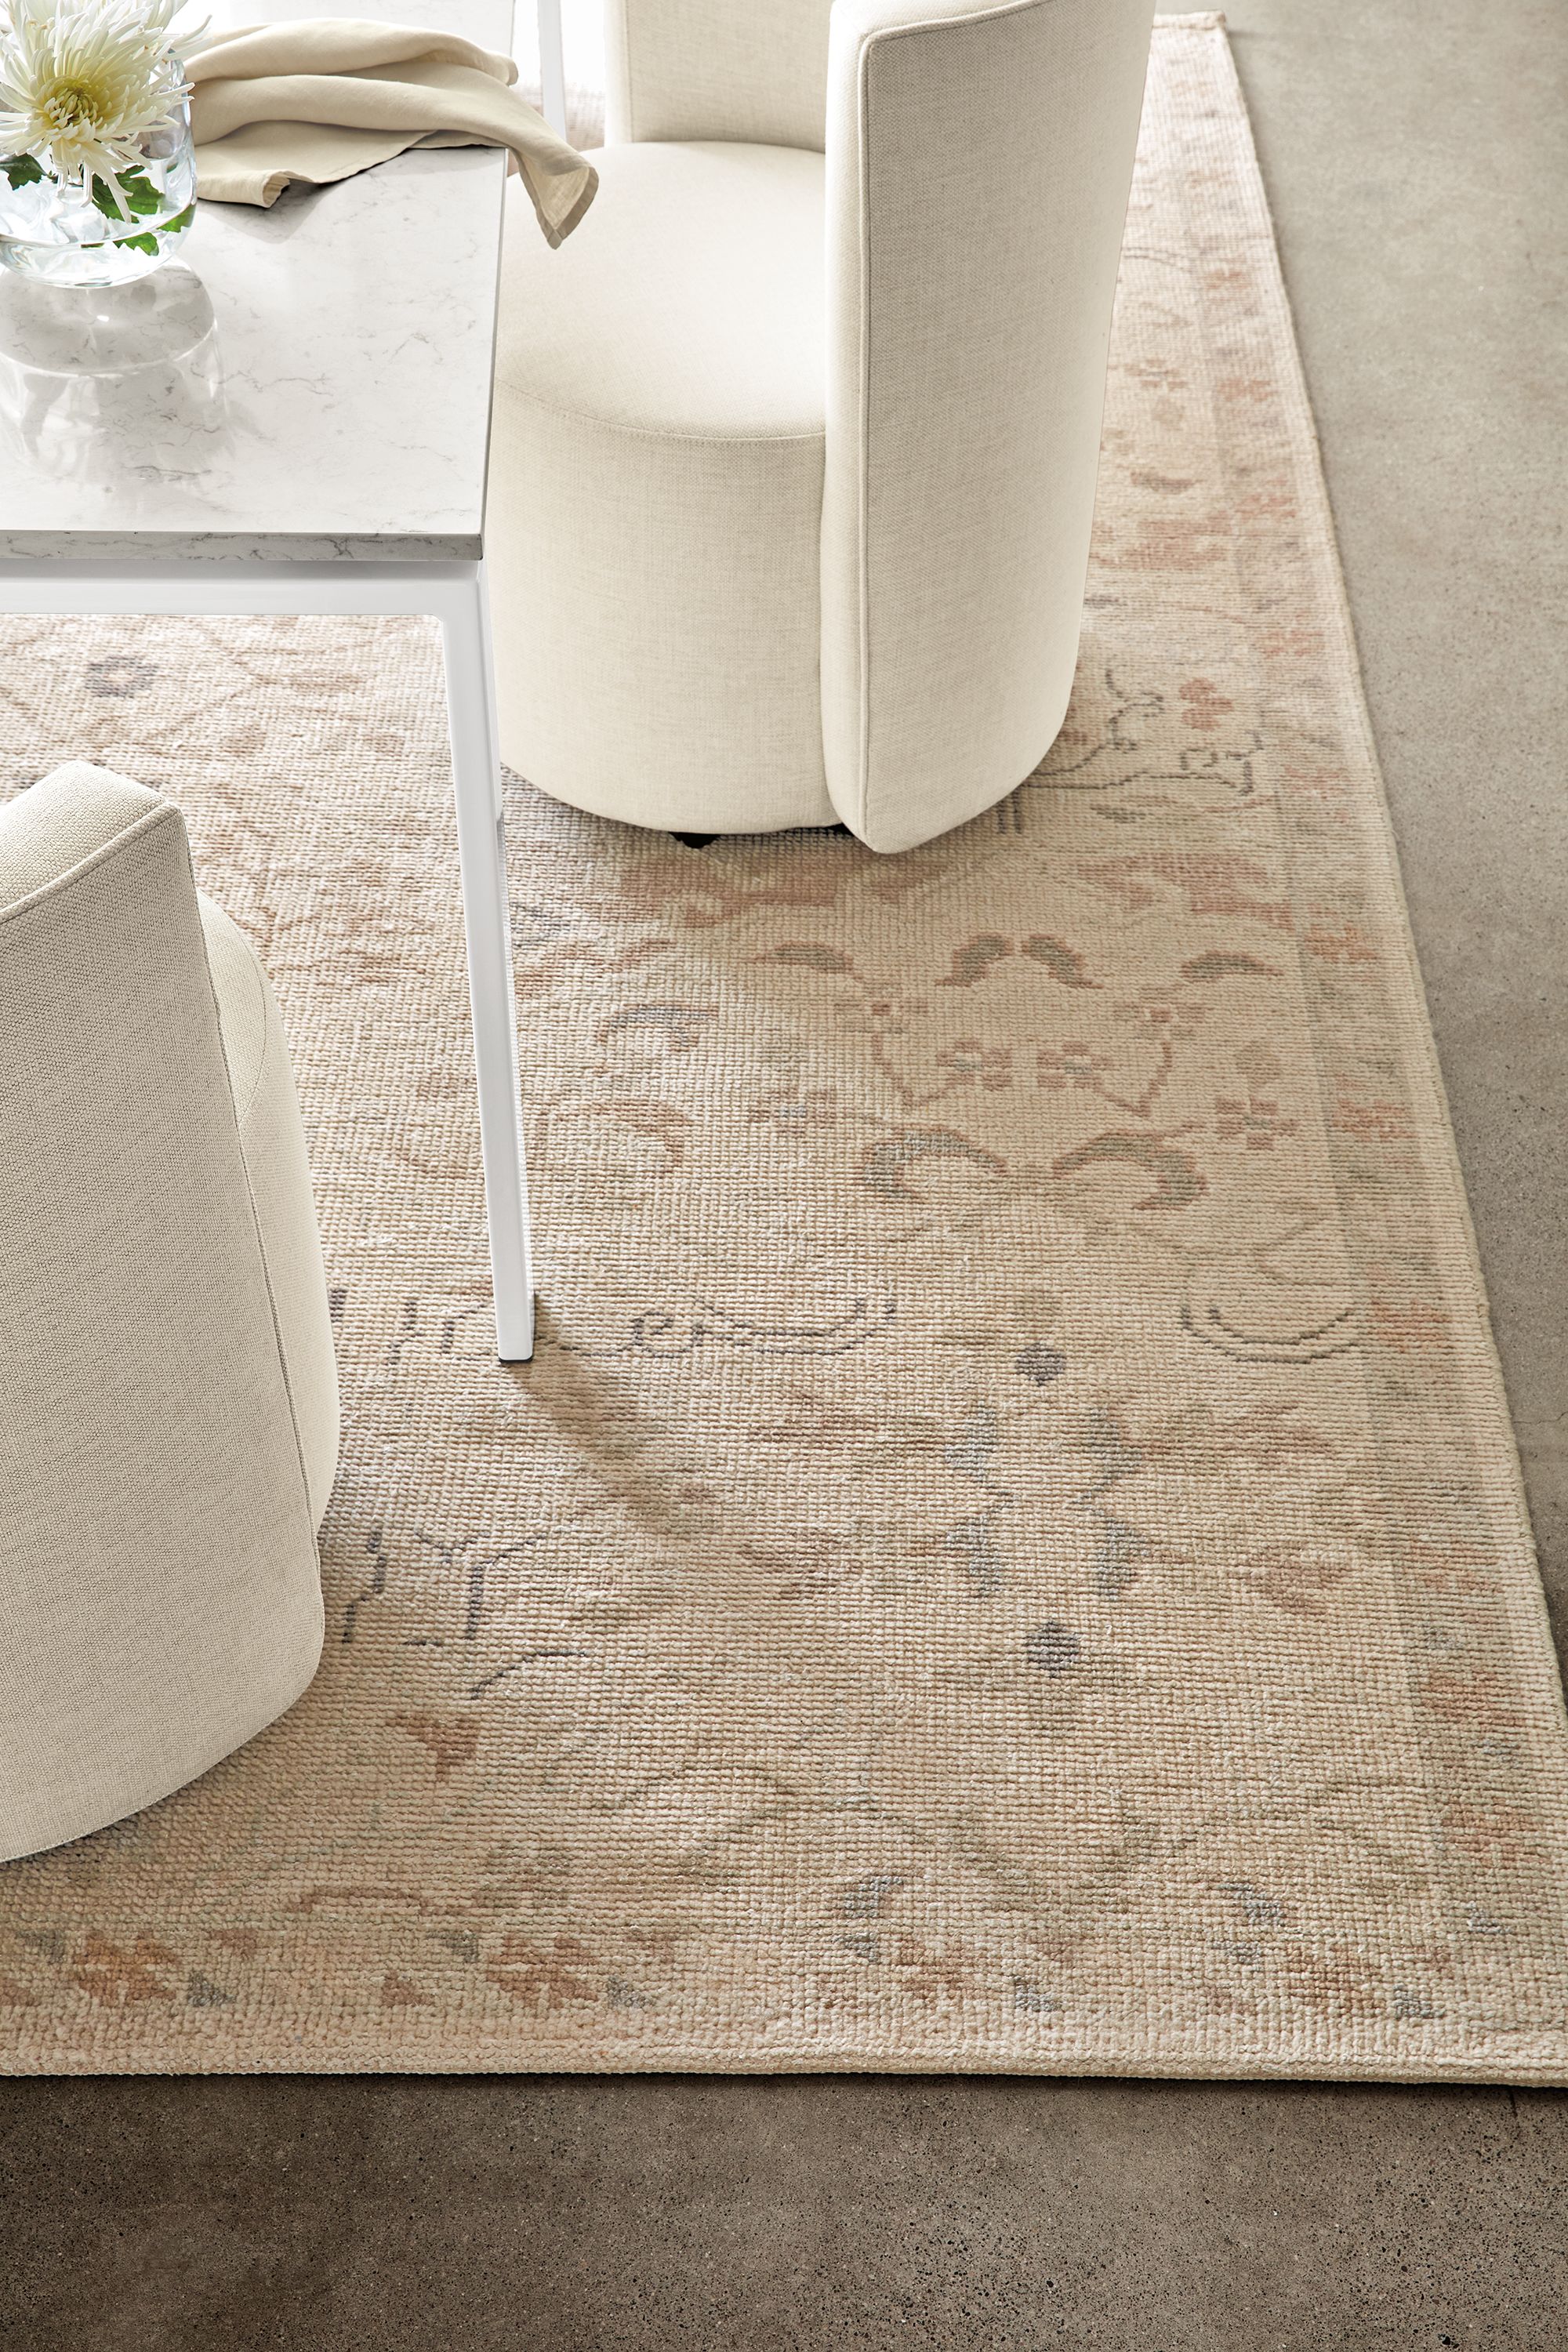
1416,153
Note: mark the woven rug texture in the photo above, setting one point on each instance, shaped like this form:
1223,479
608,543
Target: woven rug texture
1011,1554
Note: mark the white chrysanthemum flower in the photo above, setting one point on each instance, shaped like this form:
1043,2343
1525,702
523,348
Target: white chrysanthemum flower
82,82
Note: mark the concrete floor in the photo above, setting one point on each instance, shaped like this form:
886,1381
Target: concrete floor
1417,151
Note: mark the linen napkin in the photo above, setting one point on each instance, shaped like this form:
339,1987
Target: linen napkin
330,96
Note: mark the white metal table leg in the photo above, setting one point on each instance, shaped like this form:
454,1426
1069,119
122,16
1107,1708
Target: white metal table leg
481,850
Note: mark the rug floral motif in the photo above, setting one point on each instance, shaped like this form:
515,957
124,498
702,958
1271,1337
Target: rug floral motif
1010,1555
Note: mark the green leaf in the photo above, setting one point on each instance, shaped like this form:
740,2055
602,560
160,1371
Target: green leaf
180,221
145,243
22,170
140,194
141,197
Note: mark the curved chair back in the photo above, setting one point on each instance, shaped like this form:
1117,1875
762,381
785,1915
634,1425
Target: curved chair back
979,162
752,70
160,1595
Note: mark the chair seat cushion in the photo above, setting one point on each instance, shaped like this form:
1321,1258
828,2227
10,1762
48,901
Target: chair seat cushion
654,524
690,301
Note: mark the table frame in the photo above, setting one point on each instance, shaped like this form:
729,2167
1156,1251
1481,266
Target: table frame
456,594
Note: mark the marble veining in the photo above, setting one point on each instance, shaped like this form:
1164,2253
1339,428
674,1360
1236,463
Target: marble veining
308,381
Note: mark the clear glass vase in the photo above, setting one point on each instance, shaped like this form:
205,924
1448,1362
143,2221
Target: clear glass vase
75,230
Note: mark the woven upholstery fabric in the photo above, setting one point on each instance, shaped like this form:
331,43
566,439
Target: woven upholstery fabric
158,1577
977,172
789,516
1010,1554
655,510
717,70
272,1143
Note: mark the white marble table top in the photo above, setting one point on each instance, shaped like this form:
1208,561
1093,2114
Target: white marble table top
308,381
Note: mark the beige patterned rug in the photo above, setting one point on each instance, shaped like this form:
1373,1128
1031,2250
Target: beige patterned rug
1011,1554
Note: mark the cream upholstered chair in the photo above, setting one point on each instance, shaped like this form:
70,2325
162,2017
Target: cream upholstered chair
794,441
168,1398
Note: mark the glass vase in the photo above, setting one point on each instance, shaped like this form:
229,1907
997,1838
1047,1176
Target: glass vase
78,230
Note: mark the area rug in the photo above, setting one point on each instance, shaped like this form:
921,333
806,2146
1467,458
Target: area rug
1011,1555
